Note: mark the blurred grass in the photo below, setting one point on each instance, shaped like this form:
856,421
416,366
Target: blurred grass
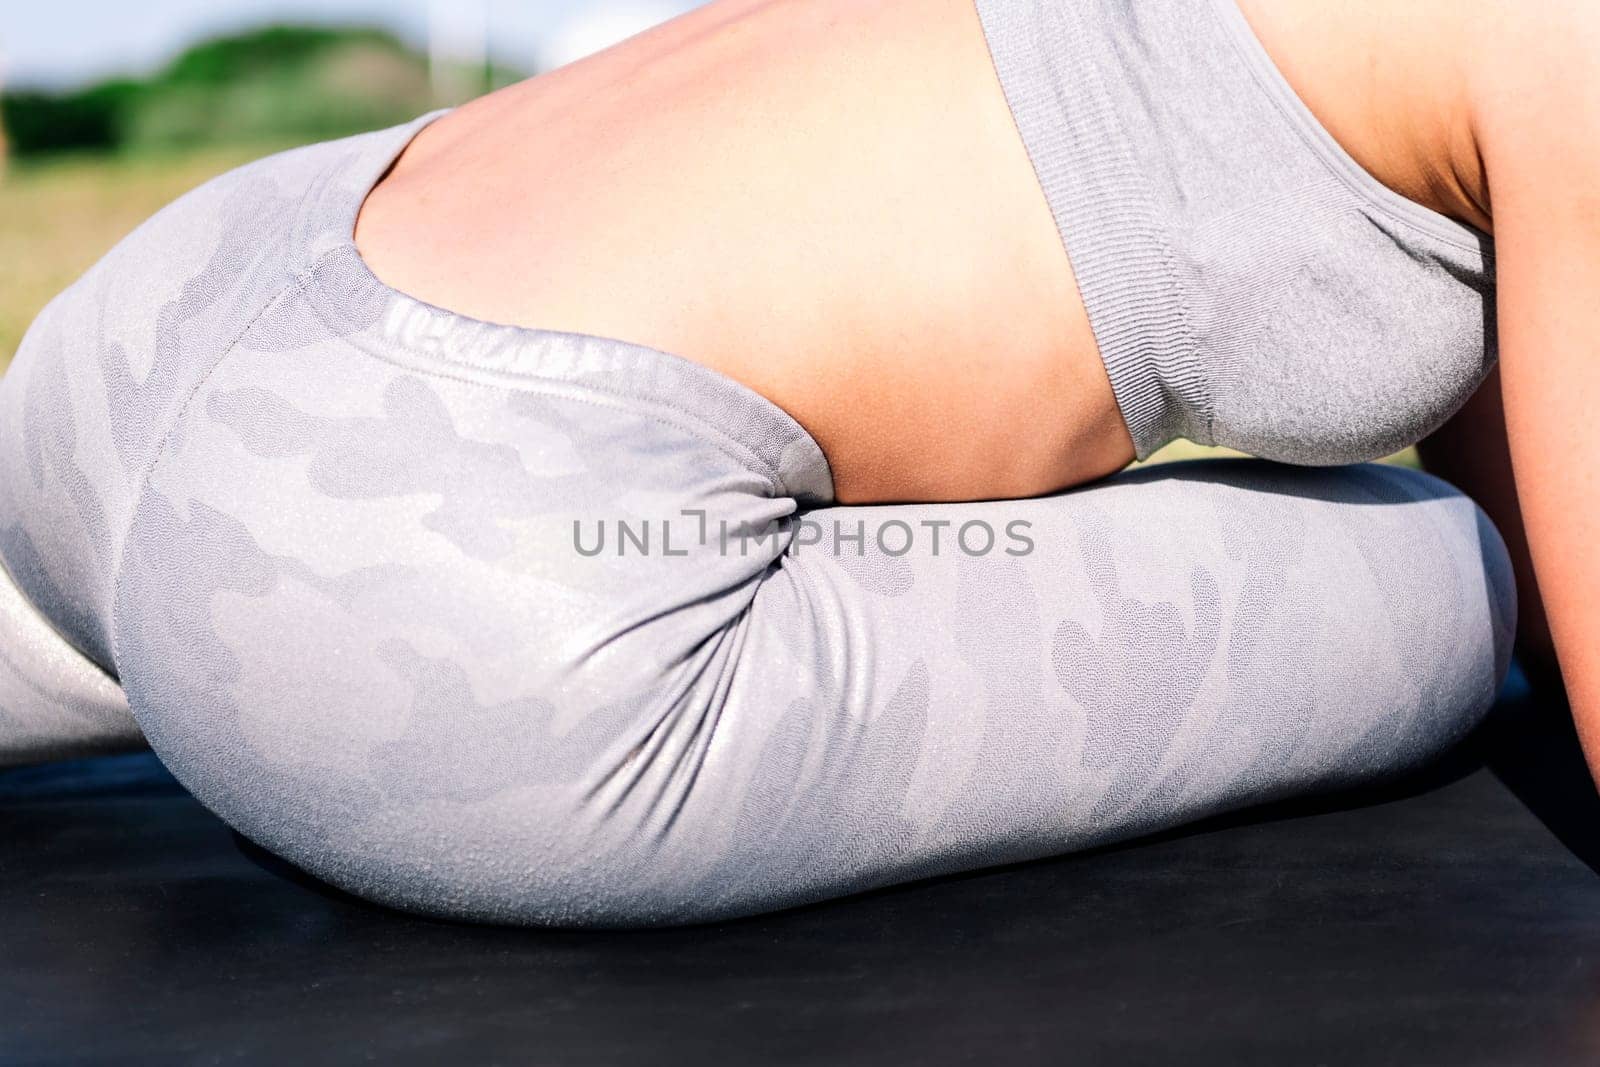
58,217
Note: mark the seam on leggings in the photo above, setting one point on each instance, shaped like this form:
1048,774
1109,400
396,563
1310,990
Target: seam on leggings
295,282
293,285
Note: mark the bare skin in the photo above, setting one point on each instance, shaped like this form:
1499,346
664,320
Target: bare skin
827,201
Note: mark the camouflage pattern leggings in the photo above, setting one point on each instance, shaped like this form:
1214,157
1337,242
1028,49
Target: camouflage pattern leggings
531,627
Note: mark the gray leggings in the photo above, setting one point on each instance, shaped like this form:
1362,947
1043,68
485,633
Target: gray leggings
531,627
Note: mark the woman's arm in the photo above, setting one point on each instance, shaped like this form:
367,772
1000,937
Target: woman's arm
1538,113
1471,452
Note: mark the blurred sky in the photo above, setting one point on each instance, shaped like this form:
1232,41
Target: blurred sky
61,43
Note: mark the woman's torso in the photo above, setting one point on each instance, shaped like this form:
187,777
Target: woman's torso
830,202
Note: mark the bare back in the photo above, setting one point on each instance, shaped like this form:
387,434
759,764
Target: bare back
827,201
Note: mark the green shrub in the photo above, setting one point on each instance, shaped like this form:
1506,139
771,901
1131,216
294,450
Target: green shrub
279,83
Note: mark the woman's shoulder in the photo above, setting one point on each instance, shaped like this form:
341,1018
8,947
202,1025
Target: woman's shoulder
1534,76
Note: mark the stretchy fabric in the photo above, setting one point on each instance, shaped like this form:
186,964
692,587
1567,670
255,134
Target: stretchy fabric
545,628
1248,283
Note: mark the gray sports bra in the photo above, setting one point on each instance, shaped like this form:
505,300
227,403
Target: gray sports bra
1248,282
